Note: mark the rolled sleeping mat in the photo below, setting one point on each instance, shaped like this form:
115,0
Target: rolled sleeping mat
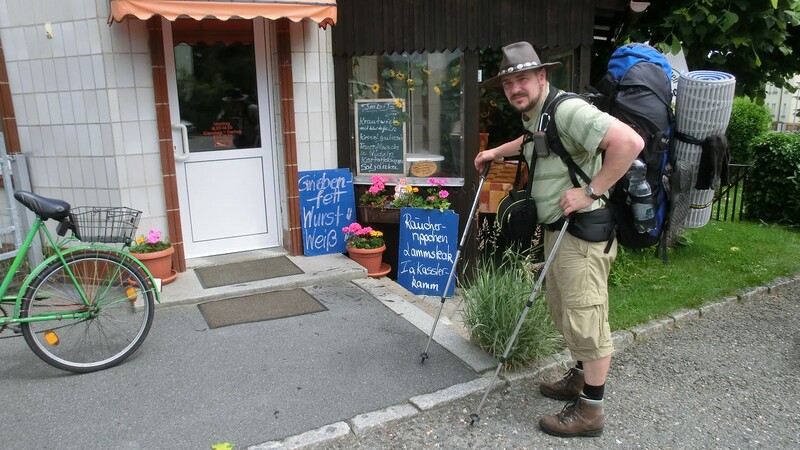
703,106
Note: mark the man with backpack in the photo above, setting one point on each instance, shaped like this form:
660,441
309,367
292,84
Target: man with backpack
604,148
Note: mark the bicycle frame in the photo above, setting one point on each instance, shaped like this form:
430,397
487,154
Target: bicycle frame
59,254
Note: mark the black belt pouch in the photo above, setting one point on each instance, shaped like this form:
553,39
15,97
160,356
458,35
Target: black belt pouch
593,226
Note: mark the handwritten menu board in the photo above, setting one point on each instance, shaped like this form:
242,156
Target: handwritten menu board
428,245
327,204
380,137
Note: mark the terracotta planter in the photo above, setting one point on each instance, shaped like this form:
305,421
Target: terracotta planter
369,258
159,264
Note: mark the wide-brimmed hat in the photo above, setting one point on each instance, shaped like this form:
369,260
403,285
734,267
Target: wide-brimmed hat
518,57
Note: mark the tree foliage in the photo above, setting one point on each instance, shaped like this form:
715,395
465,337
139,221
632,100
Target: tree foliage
755,40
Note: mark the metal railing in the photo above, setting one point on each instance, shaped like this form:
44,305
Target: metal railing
728,199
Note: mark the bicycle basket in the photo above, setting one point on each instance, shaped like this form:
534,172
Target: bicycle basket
105,224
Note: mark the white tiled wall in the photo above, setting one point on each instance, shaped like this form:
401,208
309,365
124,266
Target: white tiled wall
84,104
315,115
312,73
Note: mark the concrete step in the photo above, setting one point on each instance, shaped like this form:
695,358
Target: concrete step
186,289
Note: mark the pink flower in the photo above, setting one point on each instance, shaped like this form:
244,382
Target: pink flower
153,237
377,179
352,228
443,194
363,231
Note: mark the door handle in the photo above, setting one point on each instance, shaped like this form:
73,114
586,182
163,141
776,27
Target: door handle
183,155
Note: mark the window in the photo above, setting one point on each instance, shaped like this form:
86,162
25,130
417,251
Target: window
561,78
421,96
216,77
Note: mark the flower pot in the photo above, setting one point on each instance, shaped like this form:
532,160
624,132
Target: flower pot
158,263
370,258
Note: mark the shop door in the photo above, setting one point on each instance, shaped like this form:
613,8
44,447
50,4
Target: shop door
224,160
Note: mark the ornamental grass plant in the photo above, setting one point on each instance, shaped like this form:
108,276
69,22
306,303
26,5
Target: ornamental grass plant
493,303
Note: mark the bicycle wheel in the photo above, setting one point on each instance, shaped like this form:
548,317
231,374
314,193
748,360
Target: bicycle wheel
120,311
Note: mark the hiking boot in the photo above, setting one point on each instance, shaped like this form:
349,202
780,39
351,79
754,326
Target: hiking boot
567,388
581,417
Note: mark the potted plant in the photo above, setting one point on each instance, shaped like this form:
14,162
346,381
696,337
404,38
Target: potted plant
408,196
366,246
155,254
377,206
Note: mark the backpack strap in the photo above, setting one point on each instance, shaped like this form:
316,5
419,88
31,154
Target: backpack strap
526,139
555,145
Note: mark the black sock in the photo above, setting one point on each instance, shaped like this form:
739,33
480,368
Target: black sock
594,392
579,364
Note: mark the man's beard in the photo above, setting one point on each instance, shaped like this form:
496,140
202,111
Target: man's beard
528,107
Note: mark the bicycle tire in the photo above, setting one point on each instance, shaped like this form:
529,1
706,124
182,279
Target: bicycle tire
121,305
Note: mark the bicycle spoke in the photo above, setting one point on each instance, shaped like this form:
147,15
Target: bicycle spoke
110,289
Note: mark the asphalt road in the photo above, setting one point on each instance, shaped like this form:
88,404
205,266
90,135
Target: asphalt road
729,380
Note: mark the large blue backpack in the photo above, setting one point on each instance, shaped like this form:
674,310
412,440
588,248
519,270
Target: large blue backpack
639,92
636,90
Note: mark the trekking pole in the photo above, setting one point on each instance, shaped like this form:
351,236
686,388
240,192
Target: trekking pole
474,417
450,279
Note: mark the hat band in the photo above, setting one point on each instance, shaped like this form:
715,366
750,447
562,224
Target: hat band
520,66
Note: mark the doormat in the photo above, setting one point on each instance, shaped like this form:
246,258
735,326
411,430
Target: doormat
246,271
259,307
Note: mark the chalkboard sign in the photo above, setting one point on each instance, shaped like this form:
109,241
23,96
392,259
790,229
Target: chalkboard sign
327,204
380,137
428,245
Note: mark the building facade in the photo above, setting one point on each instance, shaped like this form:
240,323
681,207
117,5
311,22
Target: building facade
201,113
784,106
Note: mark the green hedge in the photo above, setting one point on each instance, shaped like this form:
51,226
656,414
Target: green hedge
772,188
748,121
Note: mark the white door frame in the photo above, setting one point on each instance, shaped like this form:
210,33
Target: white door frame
256,236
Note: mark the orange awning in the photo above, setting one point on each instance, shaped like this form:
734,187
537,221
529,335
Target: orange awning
323,11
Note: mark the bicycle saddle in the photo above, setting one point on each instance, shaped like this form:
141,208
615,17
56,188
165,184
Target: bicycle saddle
46,208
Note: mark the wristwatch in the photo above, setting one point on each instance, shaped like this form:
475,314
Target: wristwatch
589,191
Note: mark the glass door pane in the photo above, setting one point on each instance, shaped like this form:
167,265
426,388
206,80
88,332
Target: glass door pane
217,90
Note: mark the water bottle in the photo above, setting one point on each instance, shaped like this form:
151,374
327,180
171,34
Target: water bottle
644,213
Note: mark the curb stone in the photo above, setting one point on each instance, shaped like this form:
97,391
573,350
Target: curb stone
364,422
684,316
652,329
622,339
781,284
757,293
715,308
320,435
428,401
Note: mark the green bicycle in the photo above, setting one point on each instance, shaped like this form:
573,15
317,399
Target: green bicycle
89,306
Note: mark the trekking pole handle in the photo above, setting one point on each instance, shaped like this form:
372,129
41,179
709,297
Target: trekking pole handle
486,167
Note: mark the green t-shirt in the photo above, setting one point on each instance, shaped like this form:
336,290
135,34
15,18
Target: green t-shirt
581,127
